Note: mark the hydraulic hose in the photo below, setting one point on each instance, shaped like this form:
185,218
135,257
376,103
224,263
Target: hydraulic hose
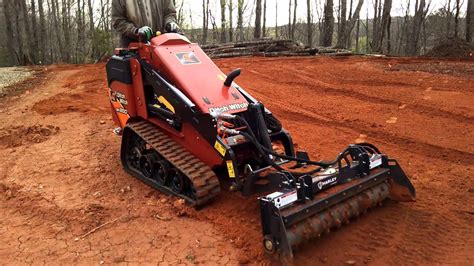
264,151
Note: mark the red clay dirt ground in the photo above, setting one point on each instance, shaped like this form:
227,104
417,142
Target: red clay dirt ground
65,198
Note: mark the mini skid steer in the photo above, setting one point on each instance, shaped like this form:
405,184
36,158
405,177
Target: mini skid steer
189,130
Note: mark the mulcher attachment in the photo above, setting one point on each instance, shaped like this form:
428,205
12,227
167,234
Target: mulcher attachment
317,203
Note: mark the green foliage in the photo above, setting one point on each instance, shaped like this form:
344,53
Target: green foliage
102,43
362,45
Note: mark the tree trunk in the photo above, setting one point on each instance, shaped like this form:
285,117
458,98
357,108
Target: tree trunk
264,27
276,19
215,29
205,20
375,24
83,32
91,27
231,21
448,19
258,20
354,19
389,35
309,23
341,35
80,29
57,28
289,19
65,24
328,27
191,20
293,28
349,37
384,26
367,32
456,18
43,33
9,30
404,35
469,15
240,19
223,22
34,24
30,47
357,35
18,34
421,9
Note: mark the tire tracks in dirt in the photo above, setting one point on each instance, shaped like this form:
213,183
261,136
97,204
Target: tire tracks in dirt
315,86
294,113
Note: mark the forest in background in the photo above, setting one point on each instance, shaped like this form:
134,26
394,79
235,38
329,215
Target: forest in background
80,31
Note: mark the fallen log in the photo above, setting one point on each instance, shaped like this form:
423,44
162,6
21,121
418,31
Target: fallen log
269,48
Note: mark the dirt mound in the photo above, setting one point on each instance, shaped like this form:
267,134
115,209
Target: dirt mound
18,136
452,48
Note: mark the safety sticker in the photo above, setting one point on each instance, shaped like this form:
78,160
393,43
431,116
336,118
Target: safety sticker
122,111
230,169
188,58
119,97
220,148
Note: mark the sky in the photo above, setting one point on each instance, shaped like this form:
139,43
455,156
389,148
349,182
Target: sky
195,7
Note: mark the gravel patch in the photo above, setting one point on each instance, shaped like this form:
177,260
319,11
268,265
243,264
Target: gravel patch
12,75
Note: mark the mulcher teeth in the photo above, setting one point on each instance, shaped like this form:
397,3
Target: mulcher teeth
286,227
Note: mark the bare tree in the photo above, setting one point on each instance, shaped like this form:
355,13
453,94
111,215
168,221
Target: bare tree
258,19
43,33
223,22
421,10
448,18
367,33
456,18
80,32
17,34
9,27
231,18
34,26
341,40
469,15
309,22
66,10
91,27
215,28
240,19
293,28
276,19
27,29
357,35
328,24
289,19
264,27
205,20
384,27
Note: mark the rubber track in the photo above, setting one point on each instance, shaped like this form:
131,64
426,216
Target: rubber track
203,178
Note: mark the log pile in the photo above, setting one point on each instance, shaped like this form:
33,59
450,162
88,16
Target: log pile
267,48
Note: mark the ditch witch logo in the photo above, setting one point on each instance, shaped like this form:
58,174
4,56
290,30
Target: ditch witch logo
228,108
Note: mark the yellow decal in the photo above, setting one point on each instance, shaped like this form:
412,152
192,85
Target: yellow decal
168,105
220,148
230,169
221,77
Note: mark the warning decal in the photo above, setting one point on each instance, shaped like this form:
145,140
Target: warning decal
187,58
